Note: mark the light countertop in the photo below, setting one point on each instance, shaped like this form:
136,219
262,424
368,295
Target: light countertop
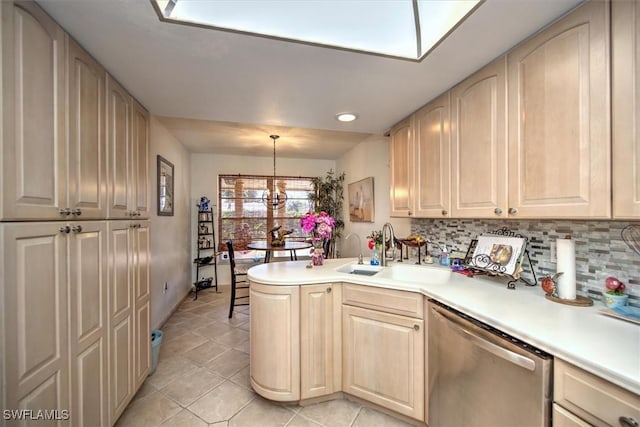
604,346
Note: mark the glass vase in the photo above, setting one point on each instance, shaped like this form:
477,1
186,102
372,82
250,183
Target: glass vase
375,256
317,258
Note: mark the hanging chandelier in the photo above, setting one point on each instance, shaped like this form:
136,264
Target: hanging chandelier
273,196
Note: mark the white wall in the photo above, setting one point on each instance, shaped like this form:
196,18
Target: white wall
369,158
170,235
205,169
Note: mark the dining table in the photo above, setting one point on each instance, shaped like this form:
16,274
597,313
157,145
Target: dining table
268,248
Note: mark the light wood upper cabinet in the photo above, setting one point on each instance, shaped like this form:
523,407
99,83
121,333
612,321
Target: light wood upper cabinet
559,143
33,114
401,168
431,151
626,108
86,138
275,341
320,340
139,160
478,144
119,154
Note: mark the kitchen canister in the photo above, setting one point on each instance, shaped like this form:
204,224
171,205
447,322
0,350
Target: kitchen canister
566,264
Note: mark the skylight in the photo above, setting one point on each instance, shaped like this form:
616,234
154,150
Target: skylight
406,29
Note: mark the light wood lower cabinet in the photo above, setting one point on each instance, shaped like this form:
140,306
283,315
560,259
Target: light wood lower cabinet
590,400
128,311
275,341
320,343
383,359
34,316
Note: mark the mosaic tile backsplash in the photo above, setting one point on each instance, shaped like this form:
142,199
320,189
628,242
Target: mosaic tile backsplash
600,250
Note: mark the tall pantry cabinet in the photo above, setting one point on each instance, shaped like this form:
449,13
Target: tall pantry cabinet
74,279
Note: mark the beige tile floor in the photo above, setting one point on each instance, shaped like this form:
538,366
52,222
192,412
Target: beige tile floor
202,378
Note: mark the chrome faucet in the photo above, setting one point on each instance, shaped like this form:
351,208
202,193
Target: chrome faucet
392,236
359,245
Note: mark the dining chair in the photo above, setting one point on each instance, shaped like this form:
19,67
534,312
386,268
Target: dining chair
237,278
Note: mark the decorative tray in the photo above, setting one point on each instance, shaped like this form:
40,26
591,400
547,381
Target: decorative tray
628,313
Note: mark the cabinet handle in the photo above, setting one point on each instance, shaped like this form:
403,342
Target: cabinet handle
138,213
76,228
64,212
444,212
76,212
416,327
64,229
513,211
328,290
497,211
627,422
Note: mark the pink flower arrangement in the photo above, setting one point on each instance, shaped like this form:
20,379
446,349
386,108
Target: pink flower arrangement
320,224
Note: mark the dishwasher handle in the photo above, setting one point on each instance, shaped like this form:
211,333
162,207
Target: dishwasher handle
492,348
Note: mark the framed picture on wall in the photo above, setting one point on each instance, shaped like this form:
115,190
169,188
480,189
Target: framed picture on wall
165,187
361,201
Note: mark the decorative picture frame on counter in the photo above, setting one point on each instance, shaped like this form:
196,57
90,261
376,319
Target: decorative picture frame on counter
361,200
165,187
498,254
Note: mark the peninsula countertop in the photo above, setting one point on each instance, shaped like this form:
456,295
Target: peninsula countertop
604,346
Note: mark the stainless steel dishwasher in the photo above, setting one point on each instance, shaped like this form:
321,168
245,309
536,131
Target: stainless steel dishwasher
481,377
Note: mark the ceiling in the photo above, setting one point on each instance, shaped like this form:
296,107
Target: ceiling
226,92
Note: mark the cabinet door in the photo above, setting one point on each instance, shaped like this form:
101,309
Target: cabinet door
559,119
87,145
36,347
478,144
142,336
88,330
563,418
33,114
320,343
401,169
626,108
140,160
118,149
432,146
121,316
275,341
383,359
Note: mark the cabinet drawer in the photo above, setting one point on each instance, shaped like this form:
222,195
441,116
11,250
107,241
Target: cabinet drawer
386,300
593,399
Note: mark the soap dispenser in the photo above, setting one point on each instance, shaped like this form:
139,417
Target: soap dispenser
444,256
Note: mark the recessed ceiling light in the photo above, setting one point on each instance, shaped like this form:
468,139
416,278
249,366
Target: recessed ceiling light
346,117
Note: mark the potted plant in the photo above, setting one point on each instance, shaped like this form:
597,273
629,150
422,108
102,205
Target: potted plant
614,296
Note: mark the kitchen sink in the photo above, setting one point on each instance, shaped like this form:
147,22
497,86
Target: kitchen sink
360,269
423,274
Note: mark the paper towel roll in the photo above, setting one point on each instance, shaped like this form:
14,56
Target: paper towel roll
566,263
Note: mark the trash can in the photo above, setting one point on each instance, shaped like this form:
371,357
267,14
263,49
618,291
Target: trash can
156,339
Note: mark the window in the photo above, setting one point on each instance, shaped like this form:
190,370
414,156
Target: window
243,216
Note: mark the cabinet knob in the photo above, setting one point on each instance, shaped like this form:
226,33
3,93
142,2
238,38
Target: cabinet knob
513,211
409,213
76,212
64,229
416,327
76,228
444,212
328,290
497,211
627,422
64,212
